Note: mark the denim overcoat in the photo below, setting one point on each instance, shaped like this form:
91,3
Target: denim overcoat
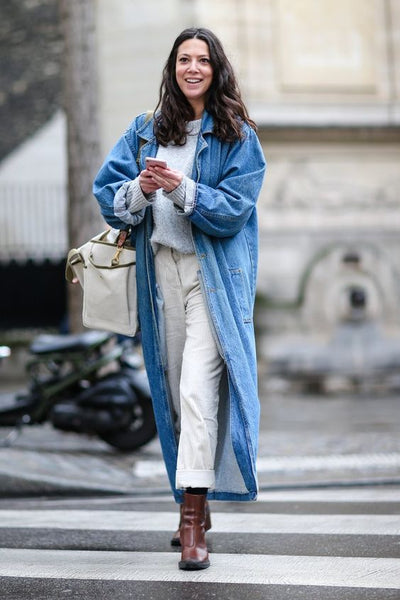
227,179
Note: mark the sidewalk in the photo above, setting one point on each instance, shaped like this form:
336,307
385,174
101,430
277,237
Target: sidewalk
304,441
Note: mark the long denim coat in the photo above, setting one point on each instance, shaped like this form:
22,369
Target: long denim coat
227,179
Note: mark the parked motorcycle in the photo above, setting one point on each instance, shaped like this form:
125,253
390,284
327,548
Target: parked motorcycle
87,383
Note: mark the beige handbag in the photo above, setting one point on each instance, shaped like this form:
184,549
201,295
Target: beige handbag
106,269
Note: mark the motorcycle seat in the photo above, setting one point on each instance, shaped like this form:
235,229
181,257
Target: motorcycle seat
47,343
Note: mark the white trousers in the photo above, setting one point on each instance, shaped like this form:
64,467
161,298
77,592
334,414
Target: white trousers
194,366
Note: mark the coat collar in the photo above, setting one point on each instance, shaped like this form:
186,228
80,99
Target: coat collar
207,123
146,131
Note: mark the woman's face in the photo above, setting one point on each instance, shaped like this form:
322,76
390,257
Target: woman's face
194,72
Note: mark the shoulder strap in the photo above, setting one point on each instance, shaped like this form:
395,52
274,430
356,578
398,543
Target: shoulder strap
149,115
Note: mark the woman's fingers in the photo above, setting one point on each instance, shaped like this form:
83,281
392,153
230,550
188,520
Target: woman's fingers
168,179
154,178
147,182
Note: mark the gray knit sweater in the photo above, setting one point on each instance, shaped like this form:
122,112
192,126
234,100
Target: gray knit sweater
171,228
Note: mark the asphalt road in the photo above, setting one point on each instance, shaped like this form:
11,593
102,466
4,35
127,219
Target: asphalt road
304,440
331,543
79,520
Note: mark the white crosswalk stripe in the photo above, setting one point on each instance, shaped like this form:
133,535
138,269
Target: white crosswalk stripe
222,522
317,539
249,569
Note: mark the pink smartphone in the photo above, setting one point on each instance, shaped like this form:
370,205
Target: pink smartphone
155,162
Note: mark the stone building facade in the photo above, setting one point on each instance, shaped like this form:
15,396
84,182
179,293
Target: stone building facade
322,80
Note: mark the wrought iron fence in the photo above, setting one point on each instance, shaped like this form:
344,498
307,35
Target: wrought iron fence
33,222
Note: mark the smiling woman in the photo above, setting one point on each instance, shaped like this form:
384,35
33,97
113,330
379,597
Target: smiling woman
222,99
194,73
194,225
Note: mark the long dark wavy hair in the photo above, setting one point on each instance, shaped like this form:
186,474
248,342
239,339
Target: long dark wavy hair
223,101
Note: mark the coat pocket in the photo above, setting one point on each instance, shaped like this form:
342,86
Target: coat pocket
242,293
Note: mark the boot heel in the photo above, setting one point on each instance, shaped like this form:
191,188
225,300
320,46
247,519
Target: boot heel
193,565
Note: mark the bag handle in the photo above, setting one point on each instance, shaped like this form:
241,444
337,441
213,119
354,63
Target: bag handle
123,234
121,239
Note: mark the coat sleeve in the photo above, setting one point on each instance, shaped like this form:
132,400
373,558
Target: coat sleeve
119,167
224,210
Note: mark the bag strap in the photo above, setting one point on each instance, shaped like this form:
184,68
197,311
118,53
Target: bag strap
123,234
149,115
121,239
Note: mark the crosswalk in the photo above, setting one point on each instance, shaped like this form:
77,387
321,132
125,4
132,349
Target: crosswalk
310,544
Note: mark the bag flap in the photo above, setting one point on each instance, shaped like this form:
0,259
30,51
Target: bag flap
105,255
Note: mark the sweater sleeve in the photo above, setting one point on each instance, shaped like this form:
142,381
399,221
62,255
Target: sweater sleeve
135,198
118,171
183,196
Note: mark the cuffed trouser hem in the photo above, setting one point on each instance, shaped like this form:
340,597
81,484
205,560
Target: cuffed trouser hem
195,479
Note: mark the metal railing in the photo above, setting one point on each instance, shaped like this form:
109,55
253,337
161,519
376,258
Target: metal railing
33,221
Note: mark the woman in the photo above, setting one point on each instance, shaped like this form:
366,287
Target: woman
194,226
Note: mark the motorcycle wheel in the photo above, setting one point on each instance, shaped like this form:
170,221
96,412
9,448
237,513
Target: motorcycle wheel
141,430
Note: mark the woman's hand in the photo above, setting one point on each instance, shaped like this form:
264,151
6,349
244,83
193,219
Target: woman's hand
167,179
147,183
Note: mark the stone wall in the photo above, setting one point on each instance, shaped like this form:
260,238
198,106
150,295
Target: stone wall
133,44
325,196
322,79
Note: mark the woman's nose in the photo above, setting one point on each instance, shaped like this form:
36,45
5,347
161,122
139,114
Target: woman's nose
193,66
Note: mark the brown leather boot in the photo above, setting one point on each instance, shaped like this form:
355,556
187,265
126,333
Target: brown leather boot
176,538
192,533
